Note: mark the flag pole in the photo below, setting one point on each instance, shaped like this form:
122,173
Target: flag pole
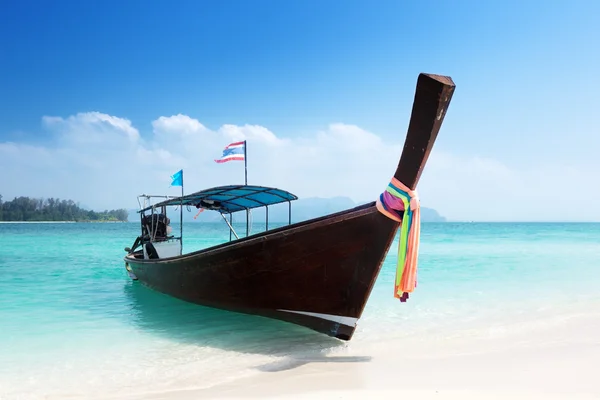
246,183
181,217
245,165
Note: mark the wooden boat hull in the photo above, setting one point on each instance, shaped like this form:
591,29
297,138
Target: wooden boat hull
318,273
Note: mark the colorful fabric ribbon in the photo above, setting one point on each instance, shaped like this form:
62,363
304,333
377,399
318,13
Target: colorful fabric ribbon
401,204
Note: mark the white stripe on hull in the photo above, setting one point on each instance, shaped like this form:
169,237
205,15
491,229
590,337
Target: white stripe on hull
349,321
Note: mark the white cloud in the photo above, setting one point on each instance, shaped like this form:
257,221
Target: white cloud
93,128
179,124
103,161
479,189
256,133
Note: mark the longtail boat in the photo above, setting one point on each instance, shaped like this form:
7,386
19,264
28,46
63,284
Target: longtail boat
317,273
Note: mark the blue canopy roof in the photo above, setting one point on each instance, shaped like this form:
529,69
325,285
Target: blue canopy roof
231,198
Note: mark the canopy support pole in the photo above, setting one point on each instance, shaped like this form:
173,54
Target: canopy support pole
230,227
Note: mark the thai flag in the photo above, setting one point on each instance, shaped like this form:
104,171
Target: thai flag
234,151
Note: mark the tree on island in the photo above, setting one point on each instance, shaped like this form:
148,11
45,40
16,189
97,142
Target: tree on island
30,209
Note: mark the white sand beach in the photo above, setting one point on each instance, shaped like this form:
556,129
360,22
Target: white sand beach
554,358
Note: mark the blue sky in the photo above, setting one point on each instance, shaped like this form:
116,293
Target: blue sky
524,106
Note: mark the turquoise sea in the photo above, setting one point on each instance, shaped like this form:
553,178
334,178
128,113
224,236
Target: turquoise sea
73,324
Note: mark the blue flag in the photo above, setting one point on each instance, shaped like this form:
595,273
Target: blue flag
177,178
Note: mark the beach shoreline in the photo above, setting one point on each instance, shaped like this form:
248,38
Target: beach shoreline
38,222
61,222
556,360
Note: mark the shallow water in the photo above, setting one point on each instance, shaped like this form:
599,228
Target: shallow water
73,323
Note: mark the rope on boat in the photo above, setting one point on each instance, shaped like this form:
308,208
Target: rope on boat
402,204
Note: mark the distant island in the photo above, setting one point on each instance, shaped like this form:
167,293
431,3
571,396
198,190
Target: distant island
26,209
302,210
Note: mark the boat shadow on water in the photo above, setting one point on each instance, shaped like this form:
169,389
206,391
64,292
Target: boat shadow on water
177,320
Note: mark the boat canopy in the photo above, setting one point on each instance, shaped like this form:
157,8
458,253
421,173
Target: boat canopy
230,198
